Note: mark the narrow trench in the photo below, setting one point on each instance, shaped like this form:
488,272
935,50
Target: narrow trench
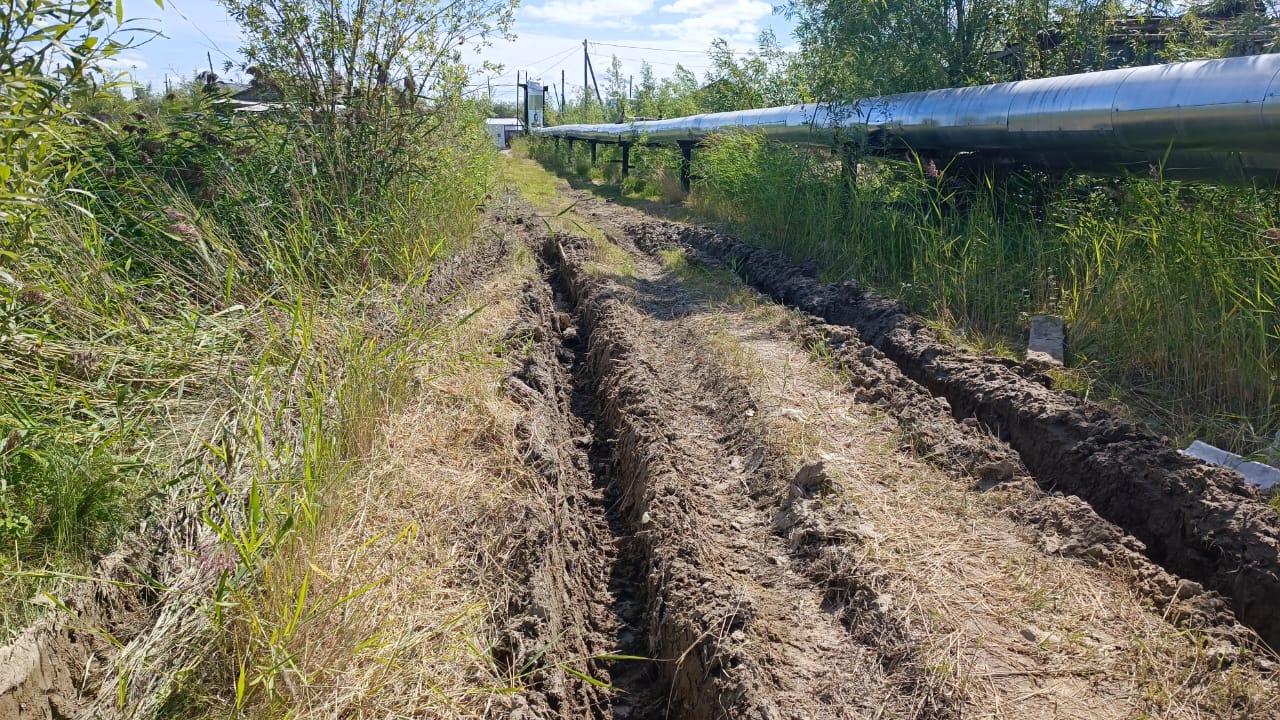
734,619
1195,521
638,686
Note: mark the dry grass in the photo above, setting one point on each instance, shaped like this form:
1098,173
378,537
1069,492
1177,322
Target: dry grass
1015,633
546,193
384,609
670,190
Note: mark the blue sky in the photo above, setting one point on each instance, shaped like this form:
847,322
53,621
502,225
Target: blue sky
550,35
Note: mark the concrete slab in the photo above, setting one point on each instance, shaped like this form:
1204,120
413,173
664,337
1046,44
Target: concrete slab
1048,339
1255,473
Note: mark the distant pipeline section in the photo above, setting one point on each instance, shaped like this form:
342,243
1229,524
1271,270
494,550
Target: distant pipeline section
1216,120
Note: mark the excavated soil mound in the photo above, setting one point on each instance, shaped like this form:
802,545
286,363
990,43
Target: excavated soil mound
1195,520
742,593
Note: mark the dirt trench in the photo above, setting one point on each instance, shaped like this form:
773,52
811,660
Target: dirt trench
718,574
1197,521
761,579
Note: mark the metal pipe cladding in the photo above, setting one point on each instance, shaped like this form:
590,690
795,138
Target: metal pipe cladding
1207,119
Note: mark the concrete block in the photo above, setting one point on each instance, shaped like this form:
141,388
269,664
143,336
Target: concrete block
1047,341
1255,473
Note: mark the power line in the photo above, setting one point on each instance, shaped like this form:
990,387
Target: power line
553,55
687,66
559,59
556,59
655,49
212,43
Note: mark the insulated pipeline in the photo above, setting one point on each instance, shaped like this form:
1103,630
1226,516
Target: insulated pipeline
1207,119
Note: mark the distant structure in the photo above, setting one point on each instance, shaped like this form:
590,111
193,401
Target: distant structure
502,130
255,96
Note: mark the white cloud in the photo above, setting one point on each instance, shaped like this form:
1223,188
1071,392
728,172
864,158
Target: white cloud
597,13
736,20
693,7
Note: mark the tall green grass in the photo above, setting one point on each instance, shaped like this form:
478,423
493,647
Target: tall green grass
214,306
1170,290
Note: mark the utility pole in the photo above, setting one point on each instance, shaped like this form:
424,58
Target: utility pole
630,84
562,97
595,84
523,117
586,63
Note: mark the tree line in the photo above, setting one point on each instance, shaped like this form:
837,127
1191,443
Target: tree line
850,49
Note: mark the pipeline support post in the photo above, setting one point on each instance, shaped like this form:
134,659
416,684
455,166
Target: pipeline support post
626,159
686,164
593,152
848,170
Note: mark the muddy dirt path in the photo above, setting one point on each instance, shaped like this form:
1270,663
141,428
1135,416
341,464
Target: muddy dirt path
728,508
798,529
1192,519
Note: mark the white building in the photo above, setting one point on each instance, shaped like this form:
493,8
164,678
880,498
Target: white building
502,130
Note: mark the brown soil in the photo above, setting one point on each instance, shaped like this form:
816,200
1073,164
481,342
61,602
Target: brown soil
53,669
788,542
1192,519
702,584
567,555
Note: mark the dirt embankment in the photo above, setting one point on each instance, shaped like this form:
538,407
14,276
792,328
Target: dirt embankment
1195,520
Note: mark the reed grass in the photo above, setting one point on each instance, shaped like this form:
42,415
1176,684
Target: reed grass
1169,289
216,335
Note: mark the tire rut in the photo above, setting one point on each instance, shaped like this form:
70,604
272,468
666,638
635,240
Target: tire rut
774,572
1193,520
736,620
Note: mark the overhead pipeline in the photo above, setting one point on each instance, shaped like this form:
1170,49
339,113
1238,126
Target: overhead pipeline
1207,119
